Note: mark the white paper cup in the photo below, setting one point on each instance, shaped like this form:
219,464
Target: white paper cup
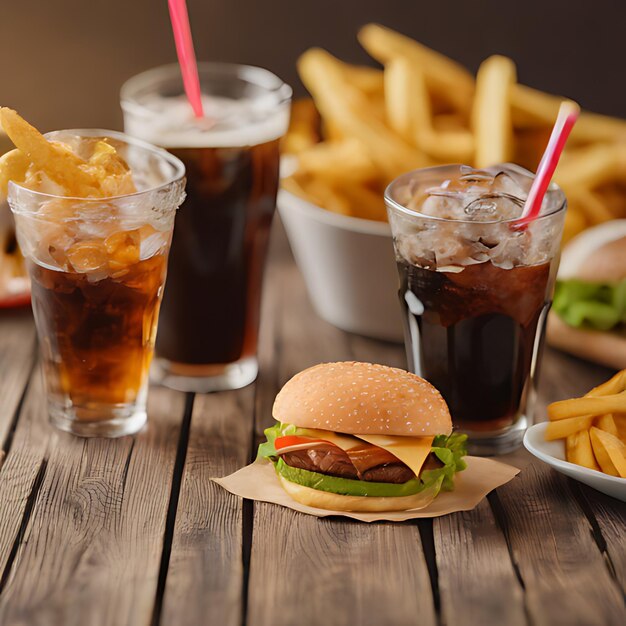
348,266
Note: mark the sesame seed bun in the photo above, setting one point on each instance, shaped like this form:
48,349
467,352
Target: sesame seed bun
597,255
363,504
363,399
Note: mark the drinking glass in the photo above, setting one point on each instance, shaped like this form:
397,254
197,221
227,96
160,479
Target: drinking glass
97,268
475,292
209,324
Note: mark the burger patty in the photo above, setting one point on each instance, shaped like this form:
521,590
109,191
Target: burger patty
333,461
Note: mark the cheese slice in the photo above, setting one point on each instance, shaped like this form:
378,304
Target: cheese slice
345,442
412,451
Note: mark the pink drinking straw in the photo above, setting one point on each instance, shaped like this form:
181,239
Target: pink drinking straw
568,114
186,55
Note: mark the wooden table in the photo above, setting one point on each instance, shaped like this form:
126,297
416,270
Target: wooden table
132,531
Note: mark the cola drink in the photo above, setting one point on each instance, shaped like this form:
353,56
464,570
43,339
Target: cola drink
210,313
97,267
475,290
97,335
208,330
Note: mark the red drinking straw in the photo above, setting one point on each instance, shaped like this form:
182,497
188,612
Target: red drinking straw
186,55
568,114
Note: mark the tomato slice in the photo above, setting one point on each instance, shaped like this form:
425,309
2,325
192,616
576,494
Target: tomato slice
294,440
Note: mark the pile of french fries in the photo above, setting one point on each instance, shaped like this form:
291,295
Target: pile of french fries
594,427
11,262
366,126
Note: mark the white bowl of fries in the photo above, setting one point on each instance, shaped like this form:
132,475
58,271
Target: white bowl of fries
348,265
585,438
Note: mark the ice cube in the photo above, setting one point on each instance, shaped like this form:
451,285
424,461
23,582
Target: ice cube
505,183
87,256
123,249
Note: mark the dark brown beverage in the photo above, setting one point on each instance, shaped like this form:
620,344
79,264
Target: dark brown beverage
478,334
97,333
210,311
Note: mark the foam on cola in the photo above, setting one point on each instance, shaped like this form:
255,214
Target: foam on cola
210,313
475,290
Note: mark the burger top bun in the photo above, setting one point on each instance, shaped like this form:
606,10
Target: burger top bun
363,398
596,255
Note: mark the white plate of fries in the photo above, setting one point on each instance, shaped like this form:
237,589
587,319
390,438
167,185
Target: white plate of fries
585,438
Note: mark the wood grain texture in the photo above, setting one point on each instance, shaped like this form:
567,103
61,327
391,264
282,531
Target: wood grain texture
17,353
610,517
206,571
472,561
306,570
92,549
21,466
564,573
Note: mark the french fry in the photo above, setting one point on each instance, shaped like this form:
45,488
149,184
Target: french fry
448,146
563,428
491,113
338,161
350,111
409,114
13,166
615,384
592,166
369,80
446,78
531,108
58,161
609,451
587,406
578,450
606,423
406,98
365,203
317,191
620,423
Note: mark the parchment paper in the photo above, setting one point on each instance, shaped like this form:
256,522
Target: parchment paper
258,481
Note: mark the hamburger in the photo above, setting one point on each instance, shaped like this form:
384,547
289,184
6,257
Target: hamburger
362,437
588,317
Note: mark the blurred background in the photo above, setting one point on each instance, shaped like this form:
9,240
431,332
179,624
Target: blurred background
62,61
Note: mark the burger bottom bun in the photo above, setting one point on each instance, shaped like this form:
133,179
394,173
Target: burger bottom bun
607,348
363,504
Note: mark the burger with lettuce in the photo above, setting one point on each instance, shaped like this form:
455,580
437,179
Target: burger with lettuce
588,315
362,437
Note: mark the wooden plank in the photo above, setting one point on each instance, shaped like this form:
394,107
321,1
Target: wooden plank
204,581
473,561
564,574
321,571
17,352
308,570
609,515
92,549
23,463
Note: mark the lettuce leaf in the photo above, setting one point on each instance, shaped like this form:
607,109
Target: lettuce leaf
449,449
592,305
267,449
